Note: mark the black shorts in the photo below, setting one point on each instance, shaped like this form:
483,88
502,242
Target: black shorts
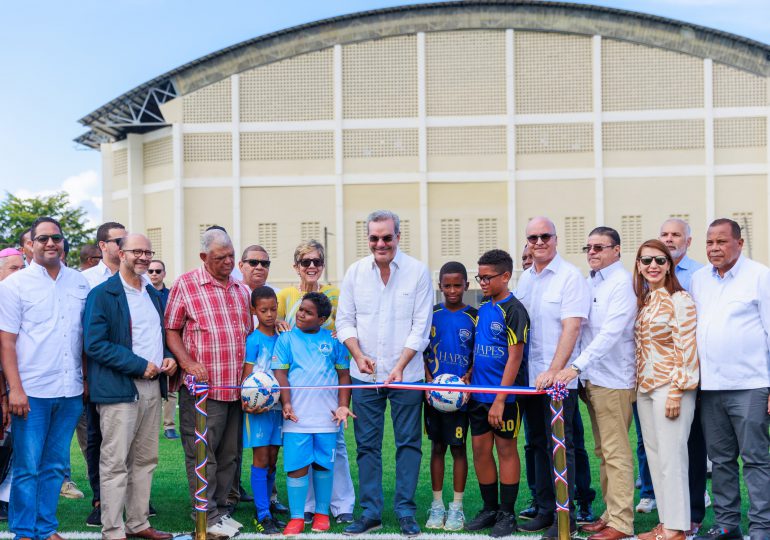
478,413
448,428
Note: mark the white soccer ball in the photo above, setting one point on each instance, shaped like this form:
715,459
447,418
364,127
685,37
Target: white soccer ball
260,389
447,400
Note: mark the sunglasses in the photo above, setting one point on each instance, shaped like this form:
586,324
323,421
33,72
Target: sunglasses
646,260
486,279
598,248
533,238
95,258
116,240
139,252
305,263
257,262
44,238
151,271
388,238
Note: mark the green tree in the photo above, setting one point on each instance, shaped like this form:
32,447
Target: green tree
18,215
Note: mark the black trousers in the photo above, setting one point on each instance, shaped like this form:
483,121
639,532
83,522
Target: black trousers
93,450
696,450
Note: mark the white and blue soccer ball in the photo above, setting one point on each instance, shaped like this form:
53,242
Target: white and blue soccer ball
447,400
260,389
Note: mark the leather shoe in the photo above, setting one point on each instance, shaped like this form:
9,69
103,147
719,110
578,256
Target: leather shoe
609,533
362,525
150,534
651,534
409,526
595,527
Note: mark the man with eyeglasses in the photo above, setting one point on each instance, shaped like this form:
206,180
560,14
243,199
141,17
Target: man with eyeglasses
255,267
677,236
90,255
41,346
128,365
607,368
207,322
558,301
384,318
108,238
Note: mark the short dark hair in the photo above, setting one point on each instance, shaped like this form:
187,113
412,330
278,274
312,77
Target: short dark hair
736,229
102,233
253,247
498,258
453,267
87,251
38,221
322,303
161,263
607,231
262,292
24,233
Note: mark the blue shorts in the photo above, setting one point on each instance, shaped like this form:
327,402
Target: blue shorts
303,449
262,429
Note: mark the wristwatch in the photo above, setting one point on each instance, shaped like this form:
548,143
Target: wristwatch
579,371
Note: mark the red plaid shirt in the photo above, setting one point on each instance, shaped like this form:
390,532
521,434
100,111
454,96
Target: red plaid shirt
215,322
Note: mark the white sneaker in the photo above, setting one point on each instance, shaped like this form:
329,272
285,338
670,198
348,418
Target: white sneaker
455,518
646,506
707,499
69,490
231,522
436,516
220,531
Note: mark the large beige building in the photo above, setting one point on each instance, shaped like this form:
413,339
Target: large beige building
466,118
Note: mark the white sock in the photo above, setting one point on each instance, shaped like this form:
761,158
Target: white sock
459,497
438,497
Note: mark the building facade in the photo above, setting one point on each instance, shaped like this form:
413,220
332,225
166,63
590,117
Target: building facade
465,118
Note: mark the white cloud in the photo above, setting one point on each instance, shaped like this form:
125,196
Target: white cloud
84,189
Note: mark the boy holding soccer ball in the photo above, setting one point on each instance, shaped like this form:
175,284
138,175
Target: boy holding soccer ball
308,355
262,426
501,332
450,351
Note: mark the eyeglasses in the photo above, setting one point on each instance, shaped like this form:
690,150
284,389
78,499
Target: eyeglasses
44,238
116,240
254,262
305,263
646,260
139,252
388,238
533,238
154,271
598,248
95,258
486,279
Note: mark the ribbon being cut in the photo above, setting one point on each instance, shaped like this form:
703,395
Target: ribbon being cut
557,393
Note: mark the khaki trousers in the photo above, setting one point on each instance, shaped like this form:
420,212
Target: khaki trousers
665,441
129,455
611,411
169,411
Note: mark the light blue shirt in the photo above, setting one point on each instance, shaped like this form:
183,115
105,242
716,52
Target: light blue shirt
684,271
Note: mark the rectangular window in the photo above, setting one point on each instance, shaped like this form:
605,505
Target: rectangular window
267,236
487,234
155,237
574,234
450,237
630,233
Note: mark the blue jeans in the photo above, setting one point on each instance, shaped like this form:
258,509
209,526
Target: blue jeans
406,414
41,447
646,491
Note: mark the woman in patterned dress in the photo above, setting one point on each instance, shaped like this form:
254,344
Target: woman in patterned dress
667,382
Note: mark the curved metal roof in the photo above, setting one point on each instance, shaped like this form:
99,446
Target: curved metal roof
138,110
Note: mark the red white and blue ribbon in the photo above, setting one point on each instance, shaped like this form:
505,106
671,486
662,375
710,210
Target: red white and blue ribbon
558,393
201,393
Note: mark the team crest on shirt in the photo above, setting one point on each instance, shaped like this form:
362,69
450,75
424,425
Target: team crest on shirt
325,348
496,328
464,334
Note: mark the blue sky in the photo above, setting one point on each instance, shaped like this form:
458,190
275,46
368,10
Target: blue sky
61,60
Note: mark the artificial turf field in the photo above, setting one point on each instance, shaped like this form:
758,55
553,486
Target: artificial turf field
170,496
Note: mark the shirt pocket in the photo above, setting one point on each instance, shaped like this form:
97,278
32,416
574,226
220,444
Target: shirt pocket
36,309
364,300
404,304
76,301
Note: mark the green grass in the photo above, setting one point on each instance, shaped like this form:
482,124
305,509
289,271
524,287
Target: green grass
170,495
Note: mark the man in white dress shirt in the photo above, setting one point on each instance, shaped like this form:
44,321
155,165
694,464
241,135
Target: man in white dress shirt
383,318
732,298
558,302
607,368
41,336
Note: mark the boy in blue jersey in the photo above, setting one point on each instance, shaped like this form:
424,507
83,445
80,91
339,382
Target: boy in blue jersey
309,356
450,351
501,332
262,426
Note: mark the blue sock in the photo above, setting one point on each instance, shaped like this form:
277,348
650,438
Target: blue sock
259,489
297,490
322,484
270,483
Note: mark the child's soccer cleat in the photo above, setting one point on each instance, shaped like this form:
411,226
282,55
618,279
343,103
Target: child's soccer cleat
294,526
320,523
436,516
